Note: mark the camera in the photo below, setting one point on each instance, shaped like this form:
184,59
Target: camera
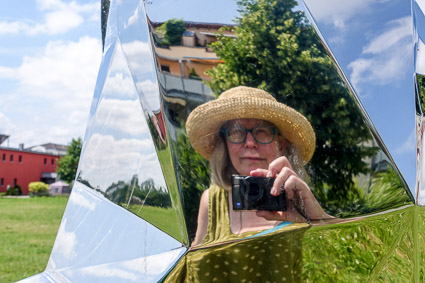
253,193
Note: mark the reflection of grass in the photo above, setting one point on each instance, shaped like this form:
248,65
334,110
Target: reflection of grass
28,229
163,218
377,249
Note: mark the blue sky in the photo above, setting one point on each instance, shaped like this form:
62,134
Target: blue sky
372,41
50,54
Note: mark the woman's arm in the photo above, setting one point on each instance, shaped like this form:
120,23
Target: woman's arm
201,230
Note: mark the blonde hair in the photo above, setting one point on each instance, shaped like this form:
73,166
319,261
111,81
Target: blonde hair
222,168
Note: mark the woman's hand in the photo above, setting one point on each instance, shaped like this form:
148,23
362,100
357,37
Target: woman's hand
300,201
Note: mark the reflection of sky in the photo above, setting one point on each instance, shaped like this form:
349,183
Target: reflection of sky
372,41
94,232
119,143
206,11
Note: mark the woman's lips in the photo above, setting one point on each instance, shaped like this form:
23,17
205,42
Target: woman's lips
252,158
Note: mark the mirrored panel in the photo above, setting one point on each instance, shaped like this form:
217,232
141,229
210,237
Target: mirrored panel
419,35
251,88
379,248
119,158
98,240
372,42
266,46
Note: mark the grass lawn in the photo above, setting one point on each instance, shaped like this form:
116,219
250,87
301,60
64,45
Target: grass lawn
28,230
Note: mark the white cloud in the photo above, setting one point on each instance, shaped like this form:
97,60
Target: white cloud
119,159
59,17
151,93
385,57
337,12
125,116
7,73
52,91
119,85
6,125
139,56
78,199
409,145
133,19
65,242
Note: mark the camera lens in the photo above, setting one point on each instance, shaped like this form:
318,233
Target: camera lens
254,190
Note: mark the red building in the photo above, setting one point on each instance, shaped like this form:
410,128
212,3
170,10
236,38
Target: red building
21,167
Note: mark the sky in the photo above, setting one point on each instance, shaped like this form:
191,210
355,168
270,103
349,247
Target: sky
372,41
50,54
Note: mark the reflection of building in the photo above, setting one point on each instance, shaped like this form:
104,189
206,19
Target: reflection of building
377,163
194,56
19,166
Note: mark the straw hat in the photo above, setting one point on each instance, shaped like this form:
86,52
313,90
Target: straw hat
240,102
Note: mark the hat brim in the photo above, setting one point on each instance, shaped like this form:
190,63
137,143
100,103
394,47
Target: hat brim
205,121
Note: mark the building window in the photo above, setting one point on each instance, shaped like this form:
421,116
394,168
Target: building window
4,157
53,161
20,159
11,158
165,68
45,161
15,182
2,182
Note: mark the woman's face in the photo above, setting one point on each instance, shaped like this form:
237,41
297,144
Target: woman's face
250,155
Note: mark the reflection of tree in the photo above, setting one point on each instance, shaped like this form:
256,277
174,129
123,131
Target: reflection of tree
386,191
421,88
147,193
276,50
195,178
172,31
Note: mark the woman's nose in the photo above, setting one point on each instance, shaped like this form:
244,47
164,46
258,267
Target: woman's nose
250,141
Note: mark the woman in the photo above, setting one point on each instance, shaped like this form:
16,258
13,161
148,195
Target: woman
247,132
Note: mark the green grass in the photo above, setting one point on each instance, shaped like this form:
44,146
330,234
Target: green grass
28,229
377,249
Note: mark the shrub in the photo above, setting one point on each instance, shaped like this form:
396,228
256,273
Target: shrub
14,191
38,189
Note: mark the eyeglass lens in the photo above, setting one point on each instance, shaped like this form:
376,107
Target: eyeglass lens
262,135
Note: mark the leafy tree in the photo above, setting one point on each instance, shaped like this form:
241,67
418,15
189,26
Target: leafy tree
68,165
104,18
421,93
278,51
194,173
172,31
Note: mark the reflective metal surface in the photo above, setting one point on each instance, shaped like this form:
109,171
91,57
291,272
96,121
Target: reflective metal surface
346,66
419,29
99,241
357,159
119,158
372,42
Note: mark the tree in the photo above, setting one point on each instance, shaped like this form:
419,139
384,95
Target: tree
172,31
68,165
278,51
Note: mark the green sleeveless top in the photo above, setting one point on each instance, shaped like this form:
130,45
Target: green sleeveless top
273,255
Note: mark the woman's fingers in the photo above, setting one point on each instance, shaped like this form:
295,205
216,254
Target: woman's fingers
277,165
286,180
259,173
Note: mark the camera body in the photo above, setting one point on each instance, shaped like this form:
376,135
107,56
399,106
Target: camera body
253,193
